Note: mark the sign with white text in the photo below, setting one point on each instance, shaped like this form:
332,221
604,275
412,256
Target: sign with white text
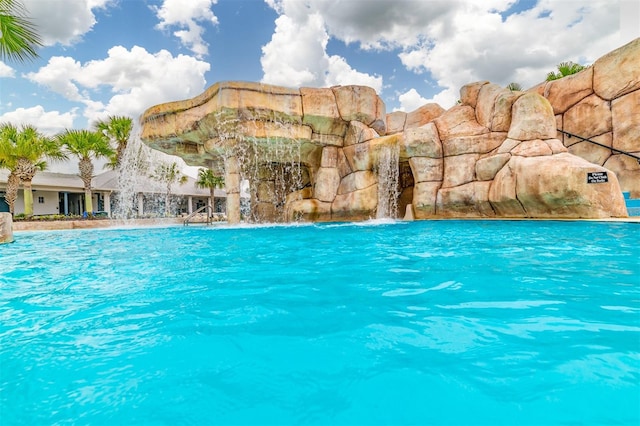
597,177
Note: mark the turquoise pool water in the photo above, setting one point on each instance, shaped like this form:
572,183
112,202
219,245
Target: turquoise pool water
426,323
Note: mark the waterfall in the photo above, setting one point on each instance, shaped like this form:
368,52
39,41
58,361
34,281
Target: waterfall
388,176
136,164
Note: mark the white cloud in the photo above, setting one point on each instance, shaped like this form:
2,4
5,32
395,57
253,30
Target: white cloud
458,42
136,79
6,71
296,57
63,21
411,100
48,122
187,15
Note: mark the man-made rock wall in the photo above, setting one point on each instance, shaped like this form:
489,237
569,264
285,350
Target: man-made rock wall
602,103
326,153
6,228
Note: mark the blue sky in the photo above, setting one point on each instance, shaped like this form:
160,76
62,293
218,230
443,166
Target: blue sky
106,57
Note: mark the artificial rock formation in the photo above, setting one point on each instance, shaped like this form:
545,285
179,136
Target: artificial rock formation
6,228
334,153
602,103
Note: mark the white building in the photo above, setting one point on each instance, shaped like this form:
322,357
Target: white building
60,193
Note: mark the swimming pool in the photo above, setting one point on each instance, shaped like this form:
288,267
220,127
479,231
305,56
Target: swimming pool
431,322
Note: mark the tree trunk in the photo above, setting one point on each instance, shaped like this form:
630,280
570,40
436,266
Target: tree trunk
88,201
28,198
85,166
10,196
213,199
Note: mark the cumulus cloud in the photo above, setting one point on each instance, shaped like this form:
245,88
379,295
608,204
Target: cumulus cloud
136,79
296,56
456,43
63,21
48,122
411,100
6,71
188,16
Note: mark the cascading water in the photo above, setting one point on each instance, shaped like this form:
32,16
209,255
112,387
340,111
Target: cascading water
387,169
134,170
272,168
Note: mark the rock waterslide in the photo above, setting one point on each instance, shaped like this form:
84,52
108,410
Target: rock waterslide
326,154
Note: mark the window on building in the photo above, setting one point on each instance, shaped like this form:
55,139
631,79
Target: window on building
40,200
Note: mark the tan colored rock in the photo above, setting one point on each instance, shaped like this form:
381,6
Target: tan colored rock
329,157
361,103
532,148
326,185
409,215
426,169
364,156
309,210
469,200
488,167
627,170
590,152
625,112
357,205
264,212
502,194
460,120
559,188
326,140
343,164
532,118
508,145
501,119
265,191
480,144
486,103
357,181
6,228
423,115
421,142
357,133
589,117
556,146
616,73
469,93
568,91
424,199
320,111
396,121
459,169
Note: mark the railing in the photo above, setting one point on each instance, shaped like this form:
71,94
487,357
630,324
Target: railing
210,214
571,135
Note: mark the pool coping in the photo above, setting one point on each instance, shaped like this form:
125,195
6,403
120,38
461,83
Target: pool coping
109,223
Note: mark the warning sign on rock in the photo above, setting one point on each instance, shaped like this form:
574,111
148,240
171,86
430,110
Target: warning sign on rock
597,177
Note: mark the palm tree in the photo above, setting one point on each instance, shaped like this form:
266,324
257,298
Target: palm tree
514,87
169,174
87,146
8,160
118,129
207,179
18,37
23,153
565,69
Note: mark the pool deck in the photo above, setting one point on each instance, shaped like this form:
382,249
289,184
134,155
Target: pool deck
107,223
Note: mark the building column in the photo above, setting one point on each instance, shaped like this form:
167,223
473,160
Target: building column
140,204
190,204
232,186
66,203
107,203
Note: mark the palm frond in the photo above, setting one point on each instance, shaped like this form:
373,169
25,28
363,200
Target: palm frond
19,39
